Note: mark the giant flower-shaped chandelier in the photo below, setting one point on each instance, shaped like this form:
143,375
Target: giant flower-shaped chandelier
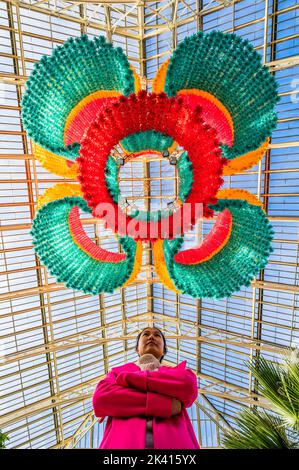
211,114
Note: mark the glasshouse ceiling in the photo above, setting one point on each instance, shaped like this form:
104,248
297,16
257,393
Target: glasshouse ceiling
56,343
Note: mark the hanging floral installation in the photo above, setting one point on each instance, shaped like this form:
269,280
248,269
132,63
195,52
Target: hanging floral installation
213,99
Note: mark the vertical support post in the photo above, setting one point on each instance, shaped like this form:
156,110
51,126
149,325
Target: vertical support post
13,40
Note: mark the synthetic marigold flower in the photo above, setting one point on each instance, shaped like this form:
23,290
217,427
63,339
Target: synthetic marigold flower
215,113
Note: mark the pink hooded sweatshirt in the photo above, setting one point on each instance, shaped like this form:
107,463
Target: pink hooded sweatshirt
128,394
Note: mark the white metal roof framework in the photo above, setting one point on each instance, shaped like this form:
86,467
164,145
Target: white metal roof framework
57,343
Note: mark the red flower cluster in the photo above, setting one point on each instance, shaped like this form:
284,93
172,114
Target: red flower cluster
171,116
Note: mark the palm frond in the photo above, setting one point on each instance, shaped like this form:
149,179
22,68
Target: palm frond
257,430
3,438
280,385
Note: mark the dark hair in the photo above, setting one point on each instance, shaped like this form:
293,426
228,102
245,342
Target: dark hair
162,334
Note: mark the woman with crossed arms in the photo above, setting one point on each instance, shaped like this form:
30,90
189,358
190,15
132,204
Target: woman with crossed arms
146,402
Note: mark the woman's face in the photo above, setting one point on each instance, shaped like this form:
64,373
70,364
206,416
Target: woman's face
151,342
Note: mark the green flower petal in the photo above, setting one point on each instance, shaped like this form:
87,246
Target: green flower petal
151,139
229,68
235,265
67,261
59,82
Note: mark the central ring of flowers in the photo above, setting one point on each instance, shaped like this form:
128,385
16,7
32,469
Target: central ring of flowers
141,113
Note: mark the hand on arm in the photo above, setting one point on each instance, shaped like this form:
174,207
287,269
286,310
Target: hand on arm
176,406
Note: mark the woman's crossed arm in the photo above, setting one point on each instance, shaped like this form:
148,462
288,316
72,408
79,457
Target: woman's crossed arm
176,382
113,399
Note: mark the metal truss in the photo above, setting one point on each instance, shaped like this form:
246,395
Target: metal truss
138,21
